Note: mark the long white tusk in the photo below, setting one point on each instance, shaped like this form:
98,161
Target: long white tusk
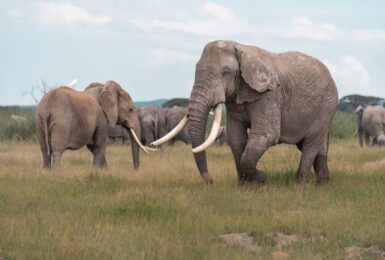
144,148
355,132
172,133
214,130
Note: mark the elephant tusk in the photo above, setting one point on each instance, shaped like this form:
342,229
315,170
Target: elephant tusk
182,124
144,148
355,132
214,130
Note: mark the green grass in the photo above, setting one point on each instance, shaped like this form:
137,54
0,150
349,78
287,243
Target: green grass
165,211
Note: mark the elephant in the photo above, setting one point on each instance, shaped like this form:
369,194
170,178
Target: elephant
285,97
119,132
69,119
152,120
370,123
221,137
174,115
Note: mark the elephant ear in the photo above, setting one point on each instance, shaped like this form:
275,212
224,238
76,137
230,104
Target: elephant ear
109,101
256,76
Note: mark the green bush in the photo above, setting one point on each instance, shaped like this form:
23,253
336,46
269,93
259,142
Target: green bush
182,102
11,129
343,126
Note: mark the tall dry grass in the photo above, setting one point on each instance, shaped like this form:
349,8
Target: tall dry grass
165,211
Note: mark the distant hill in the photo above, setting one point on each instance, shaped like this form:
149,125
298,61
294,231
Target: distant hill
349,103
158,102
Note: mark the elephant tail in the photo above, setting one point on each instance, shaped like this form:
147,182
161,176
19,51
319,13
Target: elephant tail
327,145
45,126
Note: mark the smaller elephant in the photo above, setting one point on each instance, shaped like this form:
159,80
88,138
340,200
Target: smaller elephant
221,137
370,123
118,132
152,120
174,116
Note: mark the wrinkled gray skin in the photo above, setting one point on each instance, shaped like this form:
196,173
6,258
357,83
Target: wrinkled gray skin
118,132
152,120
282,97
174,115
68,119
370,123
221,137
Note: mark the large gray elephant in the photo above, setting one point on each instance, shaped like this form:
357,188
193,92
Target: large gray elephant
152,120
370,123
119,132
174,115
282,97
68,119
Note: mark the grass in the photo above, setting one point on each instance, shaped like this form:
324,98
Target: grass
165,211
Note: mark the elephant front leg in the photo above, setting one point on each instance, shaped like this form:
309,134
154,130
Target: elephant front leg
237,139
255,148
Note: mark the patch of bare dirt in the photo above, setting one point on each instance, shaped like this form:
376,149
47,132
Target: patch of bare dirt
356,252
240,239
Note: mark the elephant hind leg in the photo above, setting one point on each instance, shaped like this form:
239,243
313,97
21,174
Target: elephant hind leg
99,156
321,168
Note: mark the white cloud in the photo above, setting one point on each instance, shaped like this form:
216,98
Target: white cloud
217,21
68,14
370,35
350,75
14,14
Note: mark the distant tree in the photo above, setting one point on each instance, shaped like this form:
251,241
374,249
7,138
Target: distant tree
182,102
349,103
39,90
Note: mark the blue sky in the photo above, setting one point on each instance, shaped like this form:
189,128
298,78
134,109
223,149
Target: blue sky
151,47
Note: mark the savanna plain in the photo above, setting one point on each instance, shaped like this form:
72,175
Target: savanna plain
165,211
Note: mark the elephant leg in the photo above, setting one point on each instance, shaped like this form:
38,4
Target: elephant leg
366,138
374,142
98,149
320,165
237,138
309,153
255,148
56,159
321,168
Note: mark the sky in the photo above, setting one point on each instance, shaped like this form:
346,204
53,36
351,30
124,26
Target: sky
150,47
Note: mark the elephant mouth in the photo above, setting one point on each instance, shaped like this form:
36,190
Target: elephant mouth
182,124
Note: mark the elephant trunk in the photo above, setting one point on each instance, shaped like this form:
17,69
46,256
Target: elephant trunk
199,109
135,149
361,137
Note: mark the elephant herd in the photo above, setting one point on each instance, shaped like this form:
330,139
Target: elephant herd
270,98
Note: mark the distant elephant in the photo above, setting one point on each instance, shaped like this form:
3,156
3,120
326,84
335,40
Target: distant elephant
119,132
221,137
370,123
152,120
174,115
282,97
68,119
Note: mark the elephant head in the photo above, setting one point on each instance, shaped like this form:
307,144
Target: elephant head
119,109
359,112
226,72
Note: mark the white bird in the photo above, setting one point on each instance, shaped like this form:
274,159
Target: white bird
73,82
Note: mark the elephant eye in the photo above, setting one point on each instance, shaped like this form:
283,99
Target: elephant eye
226,71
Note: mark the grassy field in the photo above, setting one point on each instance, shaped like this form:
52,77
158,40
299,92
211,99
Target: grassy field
165,211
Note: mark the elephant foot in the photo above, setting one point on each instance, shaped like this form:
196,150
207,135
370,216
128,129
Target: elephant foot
253,179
